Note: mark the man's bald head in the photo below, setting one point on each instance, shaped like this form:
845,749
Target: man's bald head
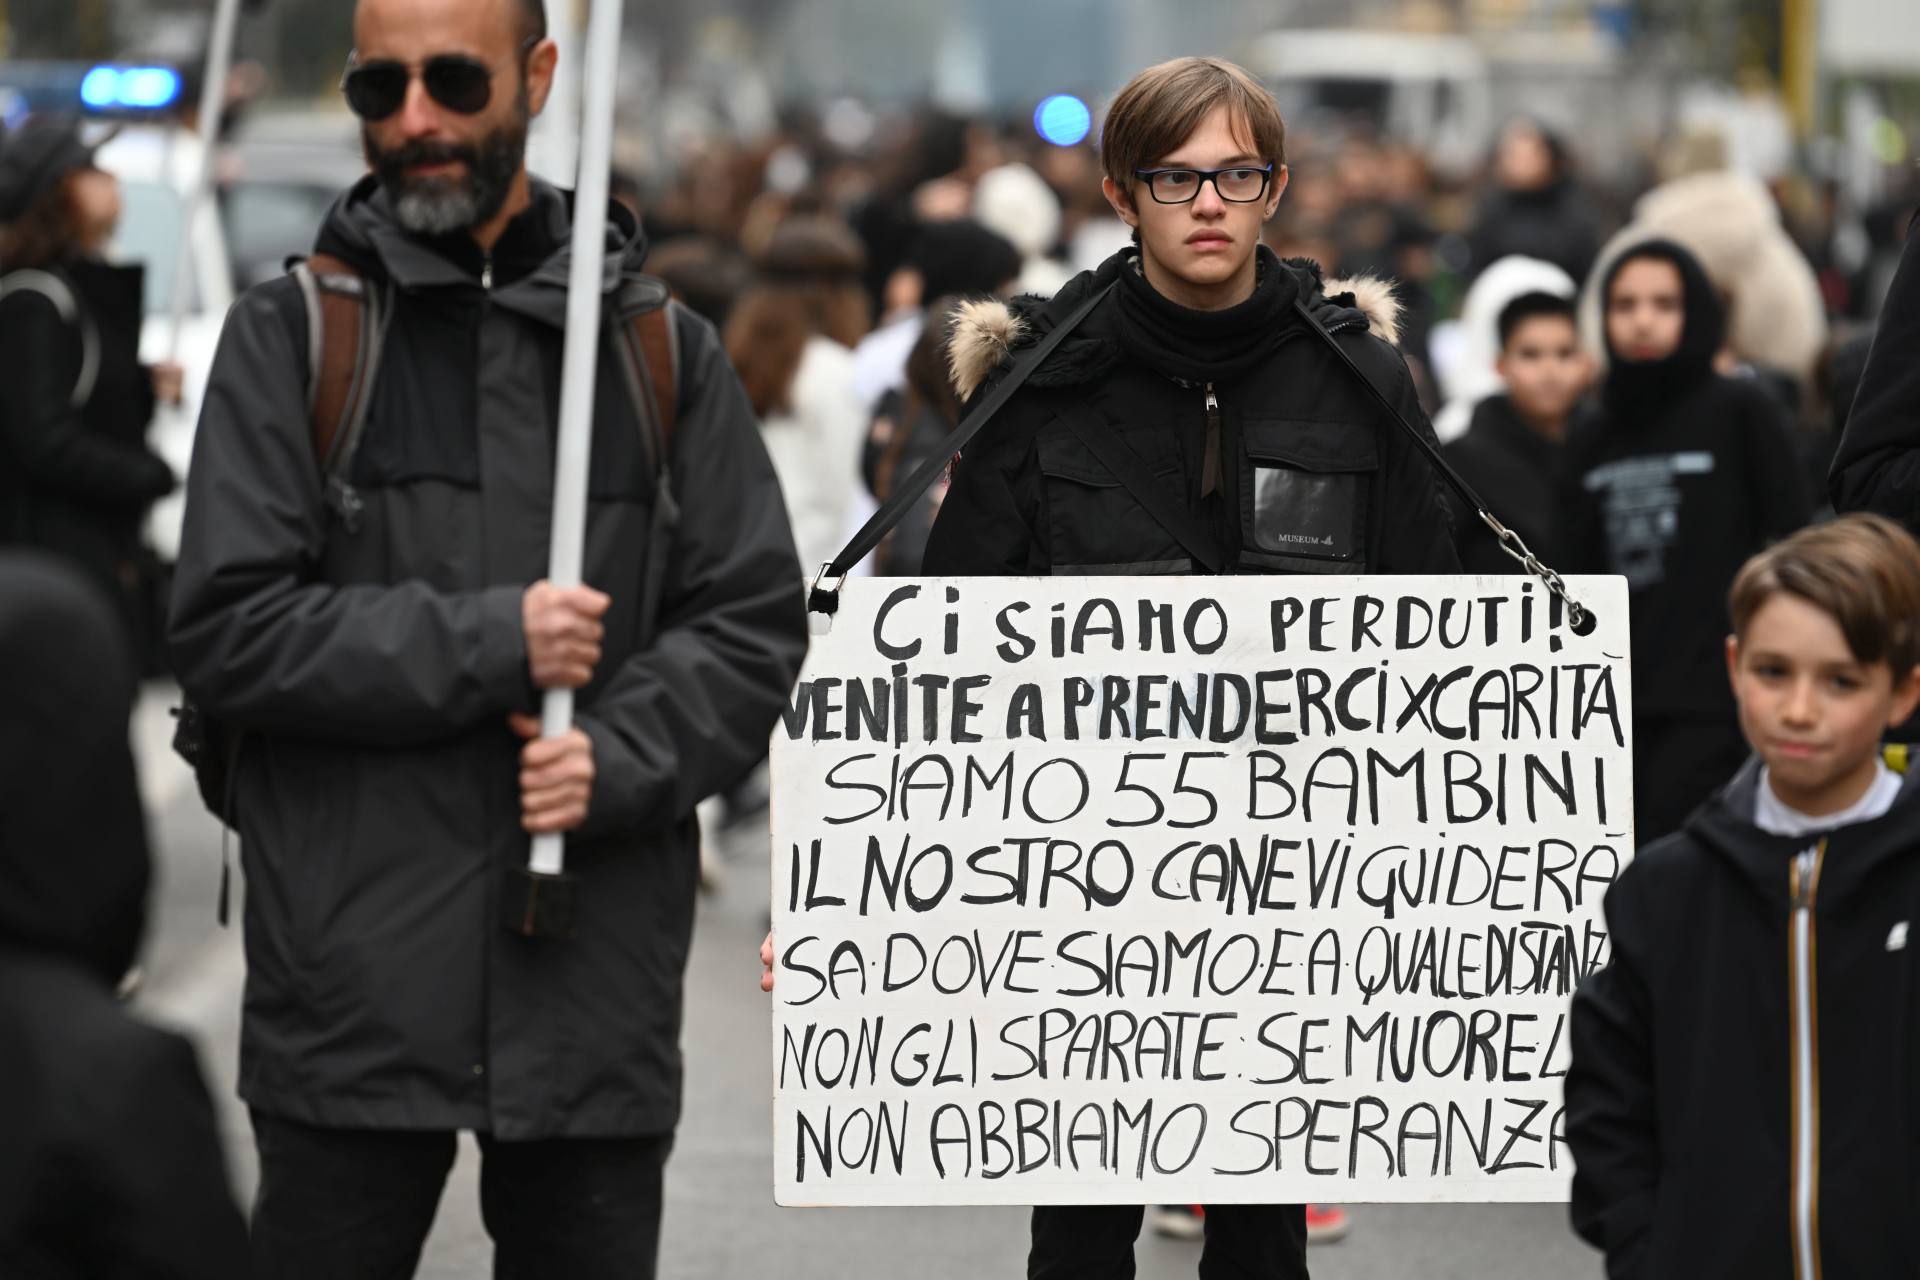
533,20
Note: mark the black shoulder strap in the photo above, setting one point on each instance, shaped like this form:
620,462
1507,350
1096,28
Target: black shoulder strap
1147,489
825,598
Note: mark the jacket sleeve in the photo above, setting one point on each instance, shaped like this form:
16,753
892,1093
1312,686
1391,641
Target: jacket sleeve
1610,1097
44,433
1775,471
163,1207
1417,533
690,714
1877,466
979,531
256,638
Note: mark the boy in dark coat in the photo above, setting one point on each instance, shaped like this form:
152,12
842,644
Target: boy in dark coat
1681,477
1511,451
1729,1119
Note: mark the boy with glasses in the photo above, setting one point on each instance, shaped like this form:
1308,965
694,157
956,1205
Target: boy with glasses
1212,414
371,622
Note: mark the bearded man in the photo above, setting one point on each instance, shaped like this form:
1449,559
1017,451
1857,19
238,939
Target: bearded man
374,635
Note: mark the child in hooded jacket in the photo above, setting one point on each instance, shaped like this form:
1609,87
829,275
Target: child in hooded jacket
1742,1099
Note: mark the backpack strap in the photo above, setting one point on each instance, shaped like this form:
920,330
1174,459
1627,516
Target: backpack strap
55,290
658,344
339,355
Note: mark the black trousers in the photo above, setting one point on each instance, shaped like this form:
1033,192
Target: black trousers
353,1202
1095,1242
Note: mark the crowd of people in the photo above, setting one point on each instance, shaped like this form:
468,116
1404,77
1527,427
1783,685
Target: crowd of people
1657,389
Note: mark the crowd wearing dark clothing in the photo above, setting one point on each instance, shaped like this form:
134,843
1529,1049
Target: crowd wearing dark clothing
111,1164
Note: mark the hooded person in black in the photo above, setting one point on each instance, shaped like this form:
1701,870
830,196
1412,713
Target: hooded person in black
1681,476
111,1163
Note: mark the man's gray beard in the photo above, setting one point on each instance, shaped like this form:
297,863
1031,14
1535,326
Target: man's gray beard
432,212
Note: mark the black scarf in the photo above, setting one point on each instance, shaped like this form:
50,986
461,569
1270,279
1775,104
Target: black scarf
1204,346
1637,389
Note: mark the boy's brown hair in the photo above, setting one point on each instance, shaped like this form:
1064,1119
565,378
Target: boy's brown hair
1164,104
1861,570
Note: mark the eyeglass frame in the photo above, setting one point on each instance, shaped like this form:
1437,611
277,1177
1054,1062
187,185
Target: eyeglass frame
418,71
1209,175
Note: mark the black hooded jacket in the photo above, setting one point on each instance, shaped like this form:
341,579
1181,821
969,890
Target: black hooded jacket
77,480
110,1164
1679,478
372,663
1877,467
1681,1097
1312,476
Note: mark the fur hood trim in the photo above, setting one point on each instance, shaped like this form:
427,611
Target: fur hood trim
983,335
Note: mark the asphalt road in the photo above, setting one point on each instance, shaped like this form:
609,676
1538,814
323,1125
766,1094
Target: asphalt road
721,1222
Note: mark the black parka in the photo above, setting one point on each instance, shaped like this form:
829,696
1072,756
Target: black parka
1315,479
371,669
1680,1096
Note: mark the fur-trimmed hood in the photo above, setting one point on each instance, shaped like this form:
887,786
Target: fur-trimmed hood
984,335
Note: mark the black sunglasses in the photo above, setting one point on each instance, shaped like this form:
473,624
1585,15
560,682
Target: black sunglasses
458,82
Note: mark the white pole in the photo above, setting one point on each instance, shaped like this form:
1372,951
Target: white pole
580,356
213,103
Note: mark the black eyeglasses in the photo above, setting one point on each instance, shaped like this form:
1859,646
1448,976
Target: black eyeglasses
1242,184
458,82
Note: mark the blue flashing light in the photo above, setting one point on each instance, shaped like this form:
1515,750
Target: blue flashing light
1063,120
130,88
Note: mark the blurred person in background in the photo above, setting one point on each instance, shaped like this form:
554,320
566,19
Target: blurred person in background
1511,452
707,275
1466,364
1016,202
77,475
1535,208
958,258
1877,465
791,339
1776,316
1679,478
927,175
111,1164
911,425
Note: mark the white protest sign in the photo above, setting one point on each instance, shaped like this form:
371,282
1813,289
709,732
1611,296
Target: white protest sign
1191,890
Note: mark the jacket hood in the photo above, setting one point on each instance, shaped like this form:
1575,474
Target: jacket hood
533,257
985,334
73,844
1725,825
1636,385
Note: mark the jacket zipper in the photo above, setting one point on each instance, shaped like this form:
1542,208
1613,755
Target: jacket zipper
486,273
1210,460
1805,1214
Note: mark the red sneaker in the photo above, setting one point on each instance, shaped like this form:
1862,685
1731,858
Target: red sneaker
1327,1223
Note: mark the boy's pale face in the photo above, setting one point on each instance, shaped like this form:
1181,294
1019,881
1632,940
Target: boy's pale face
1200,254
1646,310
1545,370
1811,710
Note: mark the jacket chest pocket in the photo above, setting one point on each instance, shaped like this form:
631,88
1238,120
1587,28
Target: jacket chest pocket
1093,524
1305,494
